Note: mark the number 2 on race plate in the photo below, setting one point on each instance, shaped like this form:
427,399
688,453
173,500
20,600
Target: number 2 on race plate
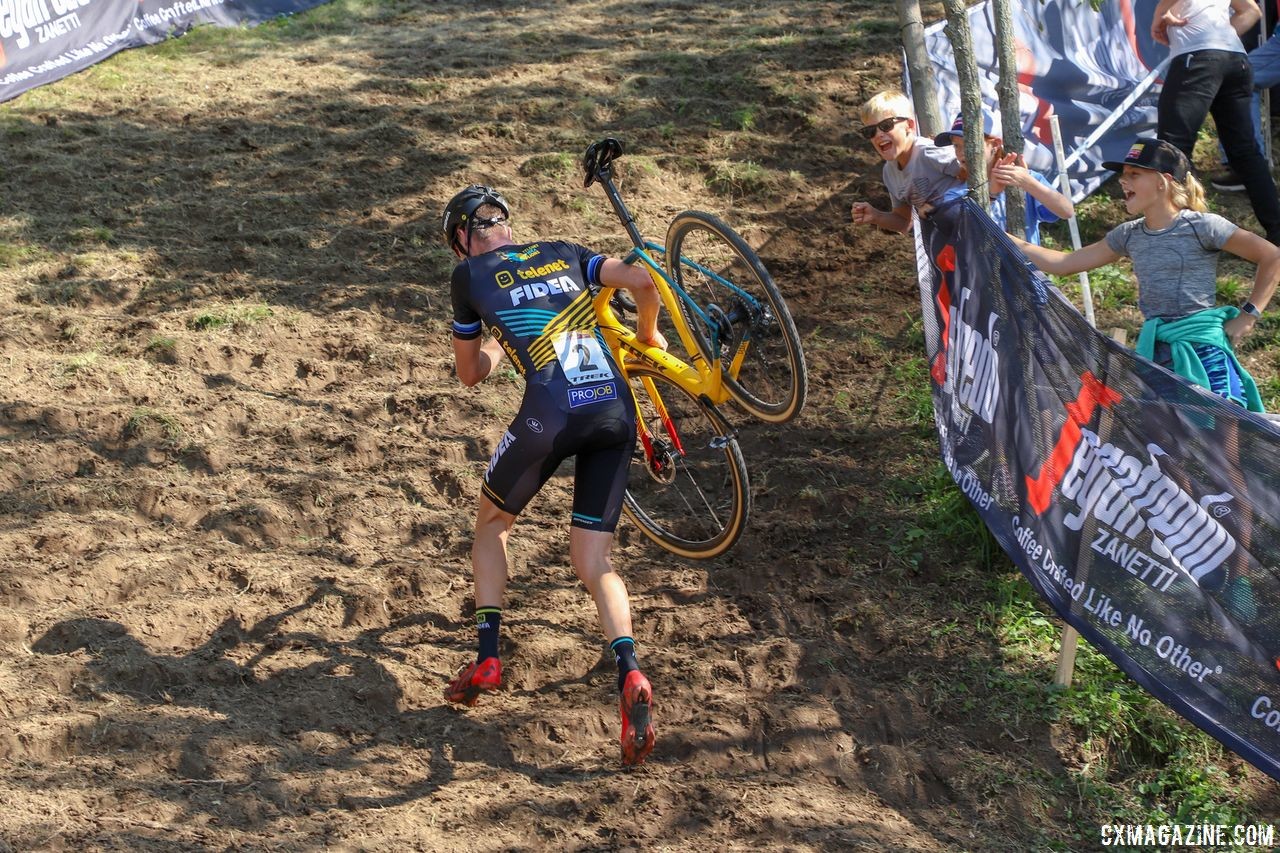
582,358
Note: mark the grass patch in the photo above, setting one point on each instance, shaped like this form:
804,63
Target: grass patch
557,167
13,254
737,178
237,318
77,364
1132,759
942,526
162,349
1112,286
146,421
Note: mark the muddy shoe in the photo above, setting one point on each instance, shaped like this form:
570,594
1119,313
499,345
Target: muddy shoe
473,680
637,719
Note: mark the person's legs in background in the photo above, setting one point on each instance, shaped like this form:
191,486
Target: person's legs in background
1190,87
1265,62
1232,110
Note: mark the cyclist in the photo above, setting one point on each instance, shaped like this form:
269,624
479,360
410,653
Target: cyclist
536,299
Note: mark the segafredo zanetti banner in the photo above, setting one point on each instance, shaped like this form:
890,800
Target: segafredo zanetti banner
1073,61
1144,509
45,40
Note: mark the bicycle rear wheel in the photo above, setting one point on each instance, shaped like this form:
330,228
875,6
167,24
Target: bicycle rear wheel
693,498
741,316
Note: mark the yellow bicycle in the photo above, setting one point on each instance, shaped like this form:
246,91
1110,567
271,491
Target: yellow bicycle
693,496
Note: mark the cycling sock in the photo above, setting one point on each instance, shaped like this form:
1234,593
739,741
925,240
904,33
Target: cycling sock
488,622
624,655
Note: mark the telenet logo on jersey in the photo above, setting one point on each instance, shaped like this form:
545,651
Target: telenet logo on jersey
558,265
505,279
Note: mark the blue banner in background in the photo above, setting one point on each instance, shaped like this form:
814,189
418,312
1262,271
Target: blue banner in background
1145,510
45,40
1073,62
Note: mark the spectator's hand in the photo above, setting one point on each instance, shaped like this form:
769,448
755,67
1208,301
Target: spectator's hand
1009,171
863,213
924,210
1237,327
1160,26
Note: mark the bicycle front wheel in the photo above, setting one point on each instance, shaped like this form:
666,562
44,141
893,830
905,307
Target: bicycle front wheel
688,490
740,316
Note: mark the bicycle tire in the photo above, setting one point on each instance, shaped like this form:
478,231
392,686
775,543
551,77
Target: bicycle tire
697,507
741,314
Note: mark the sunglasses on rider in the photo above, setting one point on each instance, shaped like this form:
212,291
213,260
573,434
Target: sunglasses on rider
486,224
869,131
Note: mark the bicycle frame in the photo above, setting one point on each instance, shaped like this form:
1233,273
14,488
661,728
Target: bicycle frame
699,378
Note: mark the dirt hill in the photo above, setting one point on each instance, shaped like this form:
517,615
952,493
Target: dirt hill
237,473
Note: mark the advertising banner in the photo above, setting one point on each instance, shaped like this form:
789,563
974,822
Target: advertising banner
1073,61
1145,510
45,40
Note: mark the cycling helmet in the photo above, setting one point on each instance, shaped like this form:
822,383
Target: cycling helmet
460,209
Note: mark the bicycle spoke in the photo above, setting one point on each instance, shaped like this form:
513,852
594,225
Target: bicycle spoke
738,315
699,506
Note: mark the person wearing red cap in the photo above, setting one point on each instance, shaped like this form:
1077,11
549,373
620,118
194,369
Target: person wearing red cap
1175,247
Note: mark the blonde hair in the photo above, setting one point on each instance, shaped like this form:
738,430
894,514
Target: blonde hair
890,101
1188,195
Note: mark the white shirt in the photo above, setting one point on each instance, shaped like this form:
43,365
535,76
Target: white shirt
1208,27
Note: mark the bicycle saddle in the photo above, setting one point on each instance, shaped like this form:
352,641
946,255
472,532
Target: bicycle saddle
596,162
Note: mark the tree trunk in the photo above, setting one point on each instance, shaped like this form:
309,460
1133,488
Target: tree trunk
961,39
924,88
1010,116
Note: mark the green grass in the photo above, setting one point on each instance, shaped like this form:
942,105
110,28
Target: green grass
1112,286
80,363
142,419
737,178
1136,761
940,524
554,167
234,317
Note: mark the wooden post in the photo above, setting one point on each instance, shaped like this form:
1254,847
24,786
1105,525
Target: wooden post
924,88
961,39
1070,636
1010,115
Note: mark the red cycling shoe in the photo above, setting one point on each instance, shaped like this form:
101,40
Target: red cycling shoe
473,680
637,719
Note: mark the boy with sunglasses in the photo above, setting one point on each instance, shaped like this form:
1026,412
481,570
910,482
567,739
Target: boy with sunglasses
916,172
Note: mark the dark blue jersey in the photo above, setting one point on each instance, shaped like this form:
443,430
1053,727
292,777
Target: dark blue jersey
536,299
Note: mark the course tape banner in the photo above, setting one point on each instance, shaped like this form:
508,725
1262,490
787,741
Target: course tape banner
1144,509
45,40
1073,61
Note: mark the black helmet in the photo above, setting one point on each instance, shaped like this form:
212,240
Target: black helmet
459,210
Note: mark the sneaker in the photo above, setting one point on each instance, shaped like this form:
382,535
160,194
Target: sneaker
1226,181
473,680
637,719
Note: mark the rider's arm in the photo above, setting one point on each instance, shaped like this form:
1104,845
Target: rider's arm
476,358
634,278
